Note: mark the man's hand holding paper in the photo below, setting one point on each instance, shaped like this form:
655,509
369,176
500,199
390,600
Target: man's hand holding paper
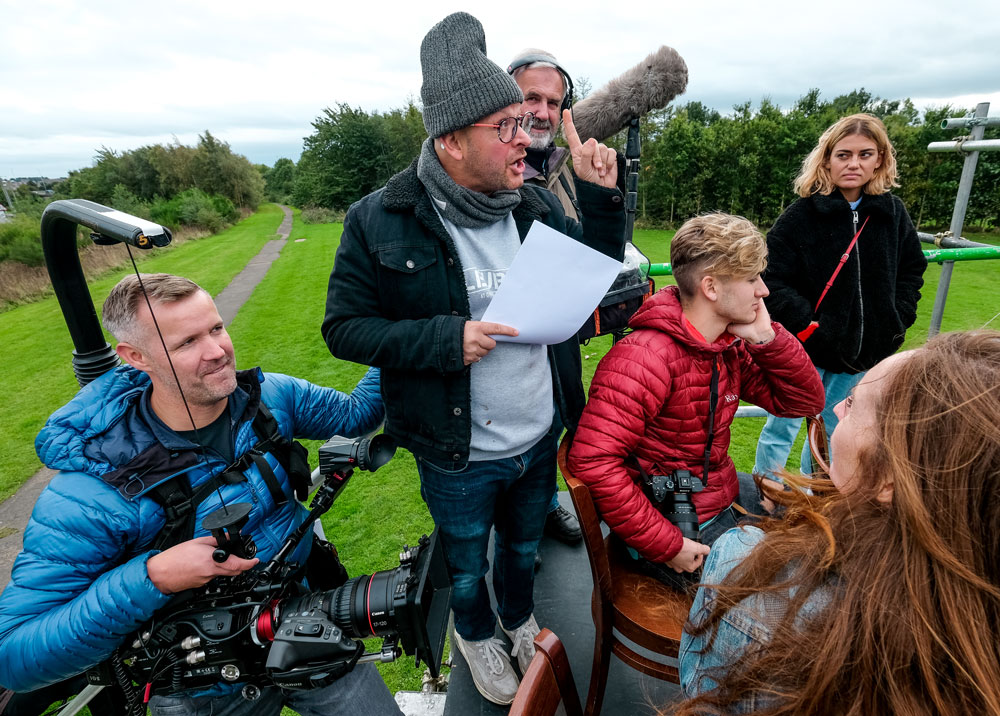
551,287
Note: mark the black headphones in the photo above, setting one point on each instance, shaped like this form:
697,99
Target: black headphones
548,59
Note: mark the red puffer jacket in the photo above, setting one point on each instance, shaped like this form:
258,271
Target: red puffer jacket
650,398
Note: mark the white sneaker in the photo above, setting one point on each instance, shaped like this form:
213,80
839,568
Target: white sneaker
524,642
490,668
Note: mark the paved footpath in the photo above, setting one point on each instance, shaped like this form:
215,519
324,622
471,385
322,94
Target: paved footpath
14,511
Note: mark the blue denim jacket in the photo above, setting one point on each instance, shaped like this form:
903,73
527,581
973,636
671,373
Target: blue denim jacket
746,625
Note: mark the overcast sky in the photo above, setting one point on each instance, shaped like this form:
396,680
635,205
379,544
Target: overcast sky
77,76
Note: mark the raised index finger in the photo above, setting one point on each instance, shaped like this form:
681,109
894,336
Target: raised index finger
569,131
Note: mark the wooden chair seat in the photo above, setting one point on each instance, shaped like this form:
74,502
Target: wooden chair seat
639,599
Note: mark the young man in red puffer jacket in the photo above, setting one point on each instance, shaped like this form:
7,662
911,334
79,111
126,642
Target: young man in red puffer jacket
650,400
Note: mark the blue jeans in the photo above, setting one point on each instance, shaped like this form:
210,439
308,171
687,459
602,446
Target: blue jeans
358,693
778,435
466,500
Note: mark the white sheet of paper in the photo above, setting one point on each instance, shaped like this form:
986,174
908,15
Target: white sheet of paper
552,285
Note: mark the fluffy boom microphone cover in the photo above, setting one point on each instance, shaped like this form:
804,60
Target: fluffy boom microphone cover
648,86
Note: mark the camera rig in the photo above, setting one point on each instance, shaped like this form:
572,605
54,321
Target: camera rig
263,628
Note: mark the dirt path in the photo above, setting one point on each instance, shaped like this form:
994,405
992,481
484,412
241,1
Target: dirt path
15,510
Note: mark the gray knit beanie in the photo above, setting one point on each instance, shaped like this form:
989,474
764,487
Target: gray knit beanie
461,84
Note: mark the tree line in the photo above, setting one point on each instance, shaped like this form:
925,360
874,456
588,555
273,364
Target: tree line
694,159
204,186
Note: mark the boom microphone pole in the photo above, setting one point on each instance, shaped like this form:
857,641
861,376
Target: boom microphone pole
620,103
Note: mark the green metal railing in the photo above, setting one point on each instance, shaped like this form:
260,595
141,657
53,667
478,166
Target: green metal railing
980,253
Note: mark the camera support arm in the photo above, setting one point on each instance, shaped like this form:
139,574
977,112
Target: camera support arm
325,496
92,356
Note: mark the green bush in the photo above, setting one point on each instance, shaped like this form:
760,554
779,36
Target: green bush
20,240
209,219
124,200
321,215
193,207
165,212
225,208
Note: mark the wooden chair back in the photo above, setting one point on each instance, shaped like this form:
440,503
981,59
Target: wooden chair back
819,444
547,682
640,608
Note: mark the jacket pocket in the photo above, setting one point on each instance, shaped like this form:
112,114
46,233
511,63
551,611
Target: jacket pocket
409,281
407,259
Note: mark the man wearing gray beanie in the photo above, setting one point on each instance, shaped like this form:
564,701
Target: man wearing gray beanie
418,263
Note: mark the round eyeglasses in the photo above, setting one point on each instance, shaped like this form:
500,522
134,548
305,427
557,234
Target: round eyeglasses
507,127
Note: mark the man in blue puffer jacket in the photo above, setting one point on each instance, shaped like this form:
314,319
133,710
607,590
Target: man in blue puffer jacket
87,577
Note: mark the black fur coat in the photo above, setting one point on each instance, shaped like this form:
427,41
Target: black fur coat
864,316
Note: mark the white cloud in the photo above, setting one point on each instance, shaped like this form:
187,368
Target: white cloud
75,77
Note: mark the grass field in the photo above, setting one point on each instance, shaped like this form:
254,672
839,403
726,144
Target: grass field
279,329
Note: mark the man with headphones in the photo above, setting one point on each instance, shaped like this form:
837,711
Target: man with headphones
548,90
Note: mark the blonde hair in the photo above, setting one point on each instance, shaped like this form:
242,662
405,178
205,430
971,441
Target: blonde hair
814,177
716,244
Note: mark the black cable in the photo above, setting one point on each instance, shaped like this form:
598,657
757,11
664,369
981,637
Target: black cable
134,706
177,380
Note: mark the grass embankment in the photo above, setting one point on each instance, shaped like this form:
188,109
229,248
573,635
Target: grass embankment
36,349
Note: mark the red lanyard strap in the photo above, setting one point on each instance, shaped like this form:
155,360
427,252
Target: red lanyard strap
843,260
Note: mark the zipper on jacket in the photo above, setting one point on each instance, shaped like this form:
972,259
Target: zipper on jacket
861,299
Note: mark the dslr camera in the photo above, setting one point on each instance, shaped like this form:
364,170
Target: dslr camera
263,628
673,493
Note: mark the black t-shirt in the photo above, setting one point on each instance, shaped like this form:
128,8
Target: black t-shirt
218,436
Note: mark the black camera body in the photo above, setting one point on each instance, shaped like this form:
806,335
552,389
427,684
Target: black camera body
673,492
263,628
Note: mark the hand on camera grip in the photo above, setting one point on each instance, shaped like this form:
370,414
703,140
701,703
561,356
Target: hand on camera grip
190,564
691,556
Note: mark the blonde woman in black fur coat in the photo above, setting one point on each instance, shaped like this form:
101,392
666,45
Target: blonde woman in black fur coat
844,187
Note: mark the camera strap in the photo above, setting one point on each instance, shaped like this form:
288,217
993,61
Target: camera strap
655,487
180,502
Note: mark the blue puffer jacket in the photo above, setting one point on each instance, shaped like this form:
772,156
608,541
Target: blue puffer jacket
80,586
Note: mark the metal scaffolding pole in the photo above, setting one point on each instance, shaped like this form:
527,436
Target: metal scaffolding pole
979,252
958,215
968,145
947,241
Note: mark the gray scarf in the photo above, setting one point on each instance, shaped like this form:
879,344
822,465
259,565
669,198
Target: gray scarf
461,206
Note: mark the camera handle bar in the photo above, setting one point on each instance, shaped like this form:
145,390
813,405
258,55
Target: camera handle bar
323,500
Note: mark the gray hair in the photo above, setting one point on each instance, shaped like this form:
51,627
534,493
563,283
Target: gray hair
123,302
551,63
